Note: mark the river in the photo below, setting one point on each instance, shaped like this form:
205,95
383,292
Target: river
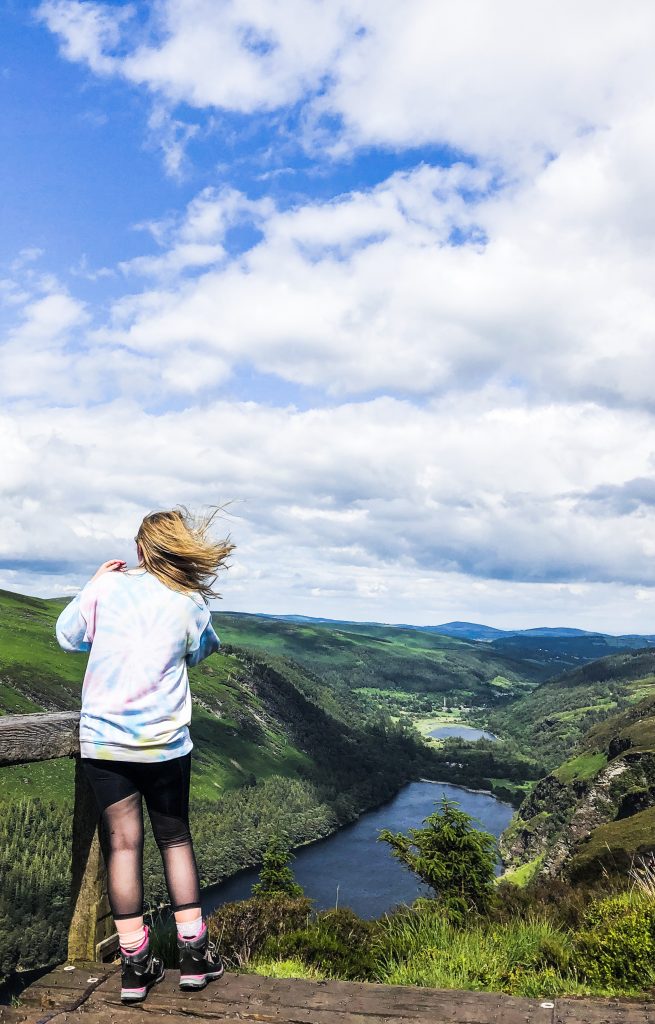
350,868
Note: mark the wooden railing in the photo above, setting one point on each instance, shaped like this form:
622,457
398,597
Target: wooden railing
41,737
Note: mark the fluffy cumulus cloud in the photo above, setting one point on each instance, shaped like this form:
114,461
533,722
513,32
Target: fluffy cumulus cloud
381,507
464,351
429,281
505,80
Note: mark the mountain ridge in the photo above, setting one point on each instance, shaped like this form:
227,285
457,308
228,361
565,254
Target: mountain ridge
460,629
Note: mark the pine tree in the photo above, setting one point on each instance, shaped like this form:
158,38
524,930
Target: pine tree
453,857
276,875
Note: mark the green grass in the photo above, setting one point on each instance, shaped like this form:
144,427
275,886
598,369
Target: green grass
525,873
288,967
426,725
615,845
603,706
51,780
582,767
549,723
517,958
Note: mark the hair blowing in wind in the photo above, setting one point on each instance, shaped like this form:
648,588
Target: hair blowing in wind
177,549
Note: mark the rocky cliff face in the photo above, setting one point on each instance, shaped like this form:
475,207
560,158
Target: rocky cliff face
588,813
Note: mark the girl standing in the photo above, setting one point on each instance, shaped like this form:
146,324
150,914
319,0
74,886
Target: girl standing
143,627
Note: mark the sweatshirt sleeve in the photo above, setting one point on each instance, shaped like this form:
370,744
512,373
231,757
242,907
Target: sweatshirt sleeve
201,638
75,626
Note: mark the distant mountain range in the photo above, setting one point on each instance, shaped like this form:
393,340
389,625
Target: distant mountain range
475,630
478,631
547,649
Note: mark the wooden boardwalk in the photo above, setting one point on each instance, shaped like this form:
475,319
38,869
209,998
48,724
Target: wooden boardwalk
90,994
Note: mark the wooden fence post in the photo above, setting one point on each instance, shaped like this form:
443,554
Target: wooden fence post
92,934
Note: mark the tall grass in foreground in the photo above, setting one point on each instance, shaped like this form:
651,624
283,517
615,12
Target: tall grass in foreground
609,952
525,958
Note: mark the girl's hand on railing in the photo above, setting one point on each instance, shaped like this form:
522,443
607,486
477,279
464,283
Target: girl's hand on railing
114,565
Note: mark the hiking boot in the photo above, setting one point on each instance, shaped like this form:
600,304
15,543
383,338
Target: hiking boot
140,971
199,961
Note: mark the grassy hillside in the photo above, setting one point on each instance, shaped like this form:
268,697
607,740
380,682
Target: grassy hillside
593,812
368,656
241,733
550,721
36,675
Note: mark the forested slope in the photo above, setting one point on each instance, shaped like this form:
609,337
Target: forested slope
595,809
551,720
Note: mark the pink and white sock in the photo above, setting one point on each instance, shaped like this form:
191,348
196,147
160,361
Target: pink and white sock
190,929
134,942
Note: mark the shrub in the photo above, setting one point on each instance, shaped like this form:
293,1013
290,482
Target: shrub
553,898
617,941
241,928
337,943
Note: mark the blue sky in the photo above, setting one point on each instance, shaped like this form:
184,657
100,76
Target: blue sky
378,275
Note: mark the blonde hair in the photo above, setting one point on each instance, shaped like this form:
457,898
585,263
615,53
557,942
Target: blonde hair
176,549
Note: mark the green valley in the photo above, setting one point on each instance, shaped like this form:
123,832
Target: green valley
299,726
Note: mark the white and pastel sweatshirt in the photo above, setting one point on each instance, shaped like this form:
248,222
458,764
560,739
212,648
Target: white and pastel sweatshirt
136,703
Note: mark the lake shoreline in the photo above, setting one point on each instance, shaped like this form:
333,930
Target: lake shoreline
347,824
319,839
469,789
350,863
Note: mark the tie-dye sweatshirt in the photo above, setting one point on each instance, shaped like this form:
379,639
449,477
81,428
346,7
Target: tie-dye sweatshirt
141,635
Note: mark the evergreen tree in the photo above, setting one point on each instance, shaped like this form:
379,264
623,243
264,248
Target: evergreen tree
276,875
453,857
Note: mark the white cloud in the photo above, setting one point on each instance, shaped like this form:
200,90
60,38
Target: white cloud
196,239
33,359
509,81
551,288
172,136
378,508
87,30
505,309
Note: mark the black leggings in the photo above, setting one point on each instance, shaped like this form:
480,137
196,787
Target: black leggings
118,787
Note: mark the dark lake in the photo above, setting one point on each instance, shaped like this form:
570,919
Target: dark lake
464,732
351,867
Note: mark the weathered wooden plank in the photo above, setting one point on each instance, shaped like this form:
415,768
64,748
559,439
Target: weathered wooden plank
248,997
61,989
66,984
131,1015
91,932
114,1010
244,997
296,991
38,737
62,992
17,1015
603,1011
